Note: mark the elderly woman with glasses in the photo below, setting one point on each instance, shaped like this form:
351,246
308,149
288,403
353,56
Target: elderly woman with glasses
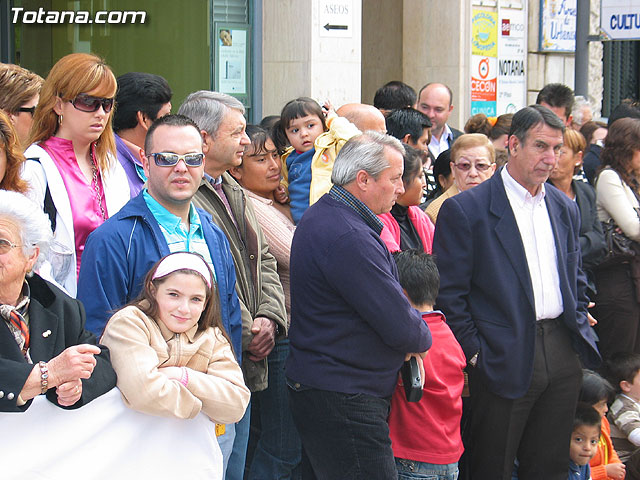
473,160
71,166
44,348
49,363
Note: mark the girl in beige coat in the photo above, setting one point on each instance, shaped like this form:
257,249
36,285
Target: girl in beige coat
169,348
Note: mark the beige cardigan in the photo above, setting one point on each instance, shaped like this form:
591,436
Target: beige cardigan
434,207
139,346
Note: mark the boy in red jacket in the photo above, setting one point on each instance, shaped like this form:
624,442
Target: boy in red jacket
425,435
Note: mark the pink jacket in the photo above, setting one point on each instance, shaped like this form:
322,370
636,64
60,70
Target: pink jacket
390,235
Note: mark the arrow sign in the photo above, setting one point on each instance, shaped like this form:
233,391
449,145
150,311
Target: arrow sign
328,27
335,18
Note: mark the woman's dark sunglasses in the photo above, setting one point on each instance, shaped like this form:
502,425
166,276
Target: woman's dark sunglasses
27,109
87,103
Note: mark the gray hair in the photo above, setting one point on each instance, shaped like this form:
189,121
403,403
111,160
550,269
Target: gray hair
363,152
208,109
579,103
32,222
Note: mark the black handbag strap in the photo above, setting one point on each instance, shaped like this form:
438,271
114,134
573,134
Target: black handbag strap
49,206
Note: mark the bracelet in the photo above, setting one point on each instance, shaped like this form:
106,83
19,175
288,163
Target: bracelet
44,377
185,376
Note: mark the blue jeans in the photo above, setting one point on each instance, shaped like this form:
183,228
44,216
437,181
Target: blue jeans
235,467
409,469
278,449
343,435
225,442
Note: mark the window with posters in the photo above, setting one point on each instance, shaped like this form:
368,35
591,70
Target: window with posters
498,60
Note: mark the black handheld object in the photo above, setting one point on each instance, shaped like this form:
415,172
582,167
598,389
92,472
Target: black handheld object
411,380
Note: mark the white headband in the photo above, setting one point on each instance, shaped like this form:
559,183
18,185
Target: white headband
183,261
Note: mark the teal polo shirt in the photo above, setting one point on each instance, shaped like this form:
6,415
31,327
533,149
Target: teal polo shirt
176,235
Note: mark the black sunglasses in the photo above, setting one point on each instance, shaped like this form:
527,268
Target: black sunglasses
87,103
31,110
164,159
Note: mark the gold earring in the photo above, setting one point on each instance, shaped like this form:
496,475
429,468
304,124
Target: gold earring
60,119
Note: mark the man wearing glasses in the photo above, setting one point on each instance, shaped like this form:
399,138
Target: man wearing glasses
159,221
514,295
221,120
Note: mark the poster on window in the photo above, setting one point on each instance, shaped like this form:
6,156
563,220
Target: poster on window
558,25
484,85
232,60
512,61
484,33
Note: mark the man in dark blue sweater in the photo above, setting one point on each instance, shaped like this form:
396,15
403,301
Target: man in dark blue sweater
351,325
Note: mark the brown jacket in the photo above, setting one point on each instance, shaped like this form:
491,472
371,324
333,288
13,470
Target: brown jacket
257,282
139,345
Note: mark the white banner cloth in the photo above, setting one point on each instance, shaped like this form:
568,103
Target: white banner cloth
105,440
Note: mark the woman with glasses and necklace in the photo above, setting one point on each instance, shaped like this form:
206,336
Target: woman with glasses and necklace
71,165
473,160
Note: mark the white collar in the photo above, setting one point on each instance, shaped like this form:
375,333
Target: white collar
520,194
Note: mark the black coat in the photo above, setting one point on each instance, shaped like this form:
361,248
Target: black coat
485,286
50,309
592,242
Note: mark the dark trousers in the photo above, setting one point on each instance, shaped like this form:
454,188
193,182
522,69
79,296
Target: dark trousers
344,436
535,428
617,311
274,440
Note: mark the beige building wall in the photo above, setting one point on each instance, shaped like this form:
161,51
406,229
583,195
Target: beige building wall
286,68
417,41
436,48
300,60
382,38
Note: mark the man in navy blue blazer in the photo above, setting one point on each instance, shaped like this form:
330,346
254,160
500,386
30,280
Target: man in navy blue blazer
513,292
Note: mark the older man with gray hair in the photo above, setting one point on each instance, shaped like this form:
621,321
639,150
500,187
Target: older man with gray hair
264,319
351,325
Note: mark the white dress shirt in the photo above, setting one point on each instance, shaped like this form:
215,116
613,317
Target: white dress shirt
536,232
438,146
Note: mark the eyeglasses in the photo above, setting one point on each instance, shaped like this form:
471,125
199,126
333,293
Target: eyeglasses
6,245
466,166
87,103
163,159
31,110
